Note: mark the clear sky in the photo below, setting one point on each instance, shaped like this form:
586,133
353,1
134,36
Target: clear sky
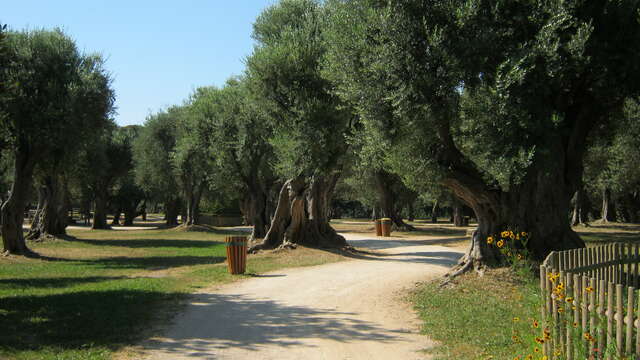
158,51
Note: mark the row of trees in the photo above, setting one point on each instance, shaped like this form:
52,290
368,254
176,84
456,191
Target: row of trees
511,108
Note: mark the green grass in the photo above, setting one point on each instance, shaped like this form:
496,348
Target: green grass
474,318
96,292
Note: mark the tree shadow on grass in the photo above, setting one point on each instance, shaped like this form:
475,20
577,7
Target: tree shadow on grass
44,283
390,243
152,262
609,237
147,243
240,321
109,318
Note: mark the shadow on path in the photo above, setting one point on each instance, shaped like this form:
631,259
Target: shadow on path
250,323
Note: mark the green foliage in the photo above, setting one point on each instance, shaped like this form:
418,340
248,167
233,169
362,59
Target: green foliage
55,95
504,82
152,153
284,75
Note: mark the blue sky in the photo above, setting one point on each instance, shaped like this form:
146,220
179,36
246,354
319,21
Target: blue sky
158,51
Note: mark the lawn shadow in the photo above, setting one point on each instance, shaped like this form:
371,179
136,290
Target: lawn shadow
151,262
45,283
147,243
109,318
596,237
239,321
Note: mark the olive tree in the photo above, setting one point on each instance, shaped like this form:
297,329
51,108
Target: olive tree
309,122
55,91
493,100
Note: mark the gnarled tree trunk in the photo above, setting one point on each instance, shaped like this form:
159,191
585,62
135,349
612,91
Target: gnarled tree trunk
538,206
457,212
193,195
608,208
100,211
387,200
255,211
13,209
51,218
301,215
579,213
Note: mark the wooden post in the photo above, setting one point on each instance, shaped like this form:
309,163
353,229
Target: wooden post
593,311
610,290
619,320
584,309
638,330
601,315
570,319
630,317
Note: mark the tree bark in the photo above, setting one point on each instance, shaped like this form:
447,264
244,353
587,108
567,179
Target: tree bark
411,216
255,211
100,211
579,213
172,209
301,215
13,209
457,212
387,200
194,193
608,209
434,212
51,218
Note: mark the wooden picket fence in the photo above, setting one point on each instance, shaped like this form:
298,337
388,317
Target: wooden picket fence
590,303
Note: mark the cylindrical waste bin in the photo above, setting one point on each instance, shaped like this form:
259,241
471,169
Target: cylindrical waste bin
236,254
386,227
378,227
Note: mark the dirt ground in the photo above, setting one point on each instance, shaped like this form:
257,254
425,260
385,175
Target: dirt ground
354,309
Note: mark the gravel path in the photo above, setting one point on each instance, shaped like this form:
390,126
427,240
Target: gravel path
346,310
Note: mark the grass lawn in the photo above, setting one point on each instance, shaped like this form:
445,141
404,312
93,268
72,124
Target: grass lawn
473,318
98,291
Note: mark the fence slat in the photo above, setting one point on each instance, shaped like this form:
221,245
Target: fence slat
593,310
630,312
570,319
584,309
601,315
638,329
619,320
610,293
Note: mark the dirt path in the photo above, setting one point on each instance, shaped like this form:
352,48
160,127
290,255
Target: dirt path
346,310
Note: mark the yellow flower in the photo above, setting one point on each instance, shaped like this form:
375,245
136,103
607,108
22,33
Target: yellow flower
504,234
535,324
529,357
523,233
544,358
515,339
540,340
575,324
557,353
516,319
560,310
536,349
490,240
500,243
569,299
519,257
588,289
